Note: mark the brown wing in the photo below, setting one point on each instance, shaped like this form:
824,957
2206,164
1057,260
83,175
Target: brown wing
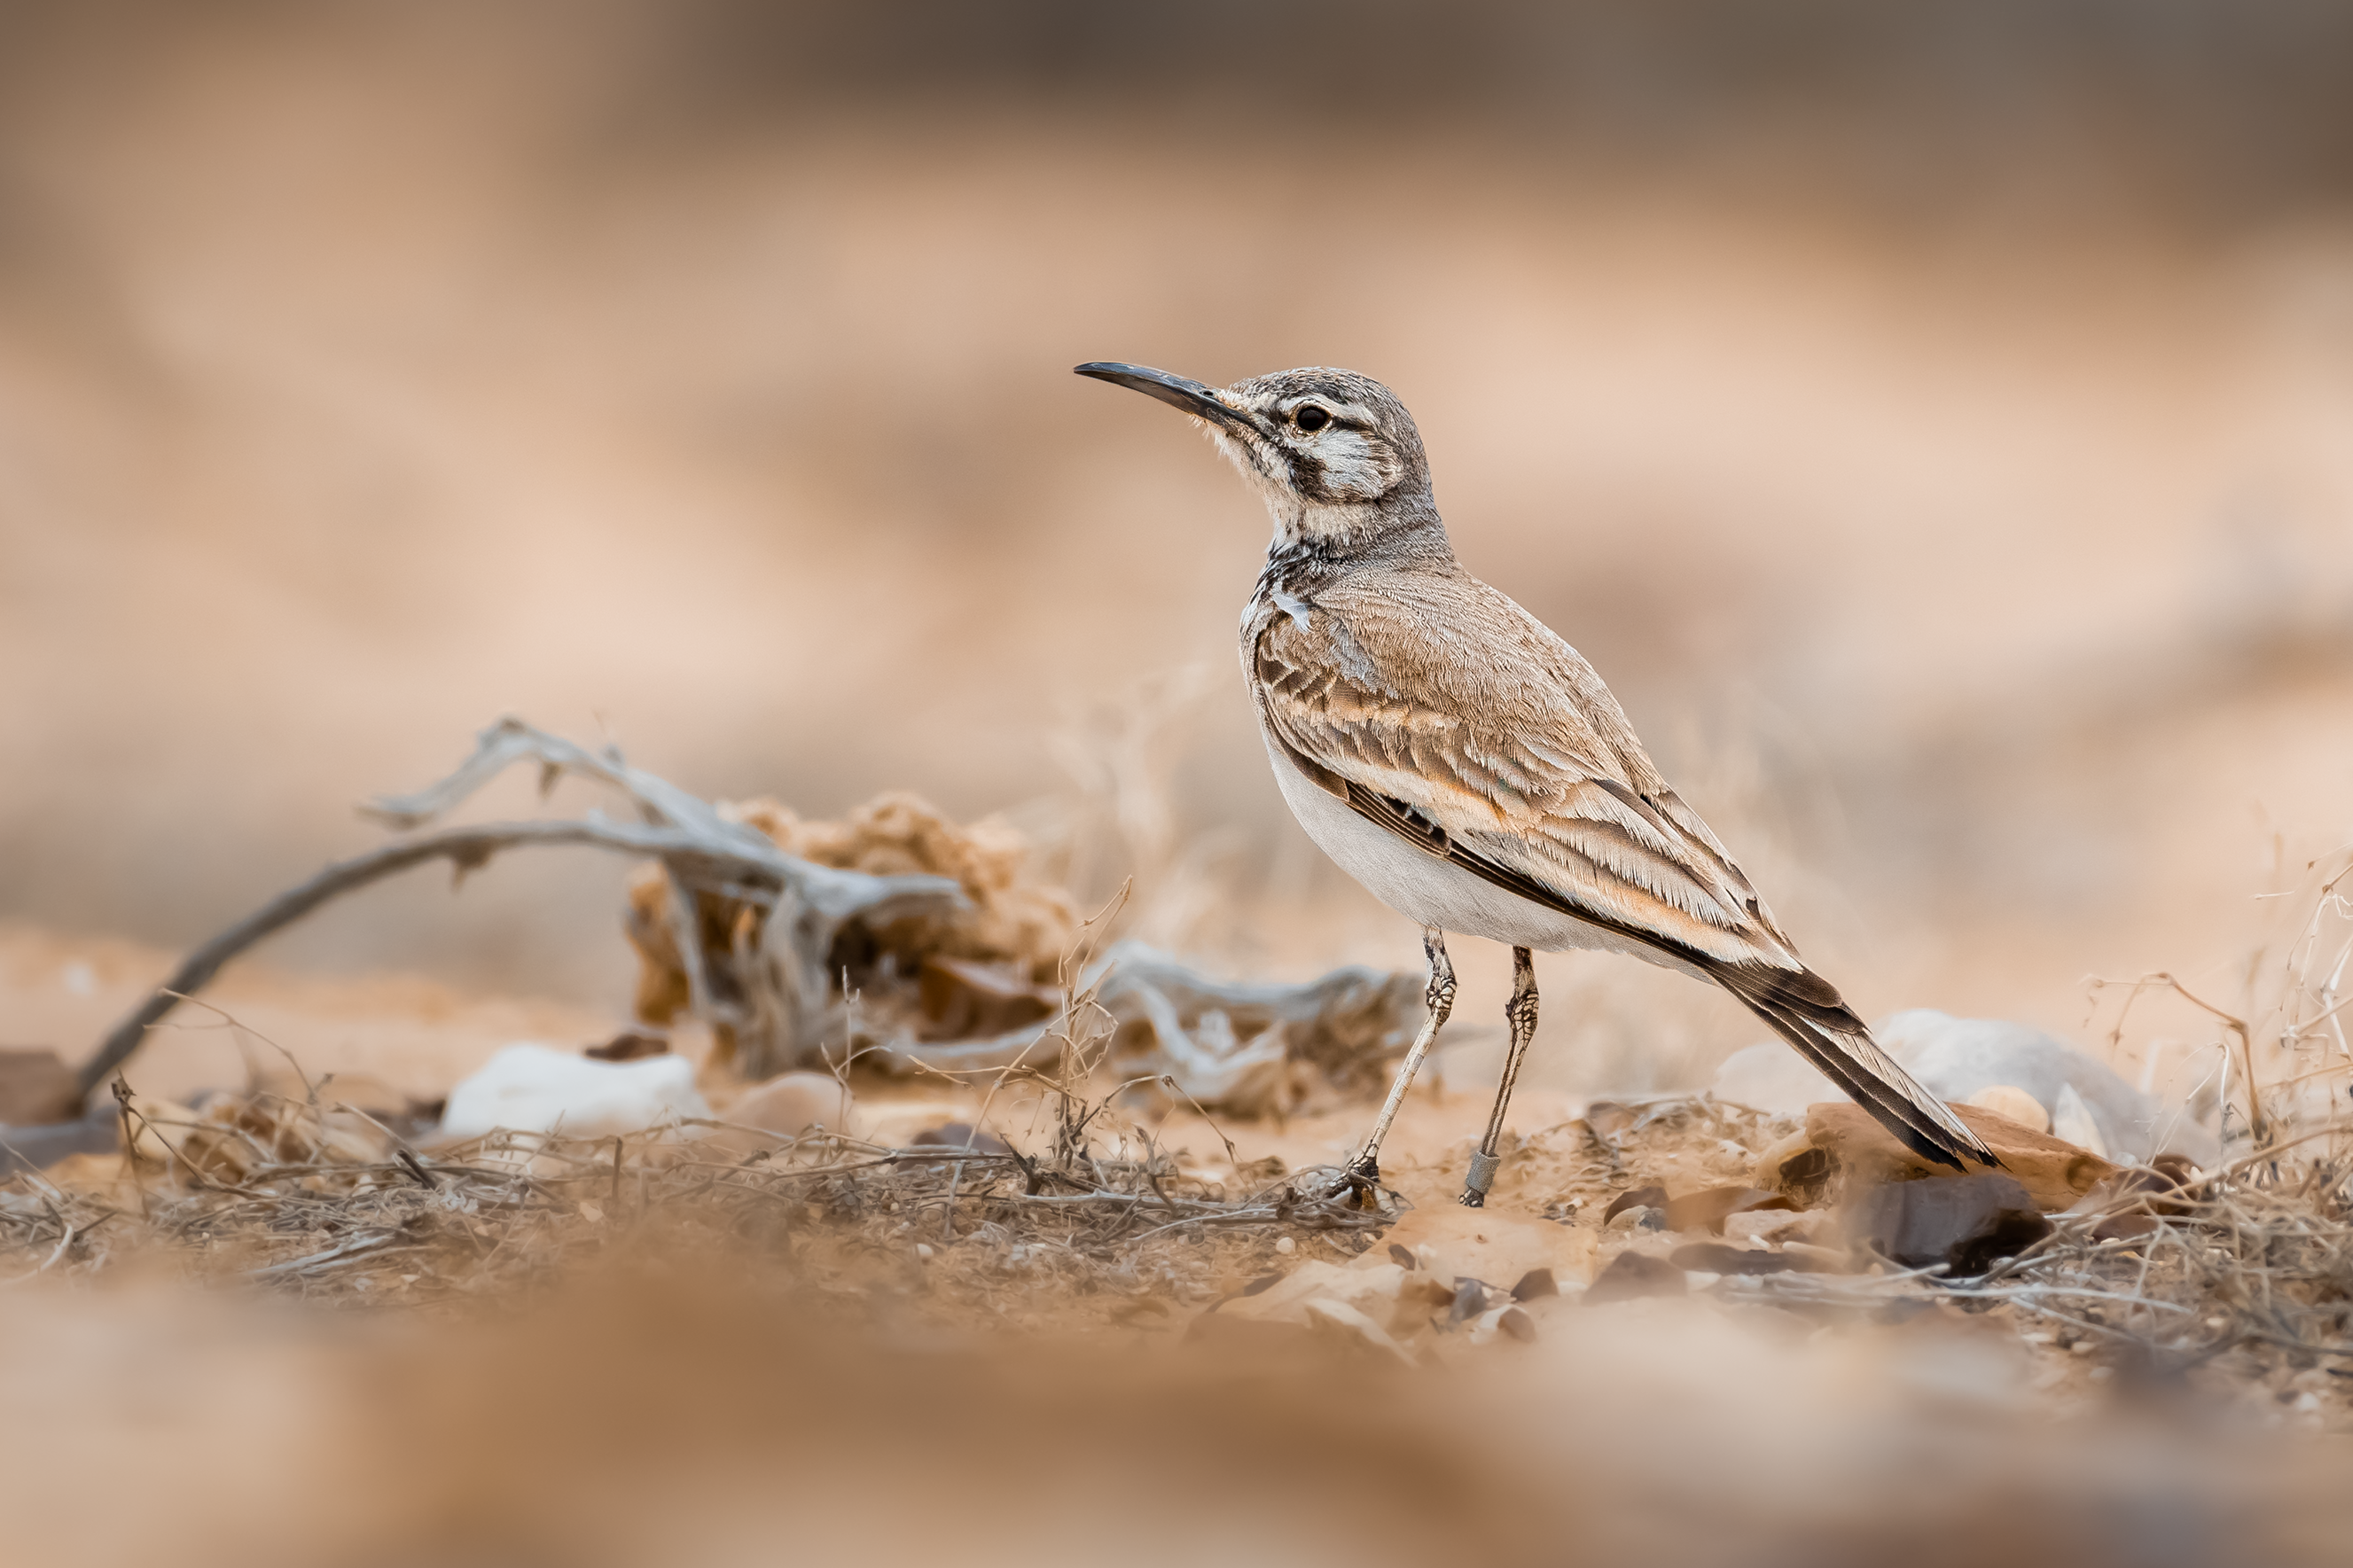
1480,719
1442,710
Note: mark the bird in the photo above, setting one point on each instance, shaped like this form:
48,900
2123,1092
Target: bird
1456,756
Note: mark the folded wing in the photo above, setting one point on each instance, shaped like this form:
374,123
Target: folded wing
1518,766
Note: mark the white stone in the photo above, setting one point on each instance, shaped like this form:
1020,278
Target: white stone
2008,1099
1958,1058
2072,1121
532,1088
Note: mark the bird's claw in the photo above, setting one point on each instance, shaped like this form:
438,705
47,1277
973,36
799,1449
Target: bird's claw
1361,1180
1481,1179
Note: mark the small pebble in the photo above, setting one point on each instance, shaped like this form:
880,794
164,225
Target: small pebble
1286,1245
2100,1373
924,1250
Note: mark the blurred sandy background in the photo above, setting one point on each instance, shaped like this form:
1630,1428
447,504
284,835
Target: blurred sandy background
1938,426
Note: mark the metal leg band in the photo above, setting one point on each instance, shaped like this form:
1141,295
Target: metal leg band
1484,1167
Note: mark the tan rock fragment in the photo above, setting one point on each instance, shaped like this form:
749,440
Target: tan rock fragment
1508,1321
1862,1153
1340,1324
1709,1208
2008,1099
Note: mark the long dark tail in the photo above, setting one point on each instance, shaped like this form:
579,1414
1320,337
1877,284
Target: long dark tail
1806,1010
1802,1007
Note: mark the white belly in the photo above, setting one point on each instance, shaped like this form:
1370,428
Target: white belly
1434,892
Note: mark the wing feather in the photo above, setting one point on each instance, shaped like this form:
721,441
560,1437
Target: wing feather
1519,766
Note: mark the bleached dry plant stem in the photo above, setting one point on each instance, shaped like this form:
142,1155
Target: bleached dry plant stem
465,848
697,845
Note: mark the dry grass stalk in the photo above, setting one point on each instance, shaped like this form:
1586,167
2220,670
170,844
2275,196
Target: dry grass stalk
312,1195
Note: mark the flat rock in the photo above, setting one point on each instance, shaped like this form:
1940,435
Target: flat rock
1960,1058
2053,1172
535,1088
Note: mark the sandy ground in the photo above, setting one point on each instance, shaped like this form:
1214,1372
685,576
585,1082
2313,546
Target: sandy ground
717,1407
672,1405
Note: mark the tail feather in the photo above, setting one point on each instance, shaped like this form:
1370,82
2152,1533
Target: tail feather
1803,1009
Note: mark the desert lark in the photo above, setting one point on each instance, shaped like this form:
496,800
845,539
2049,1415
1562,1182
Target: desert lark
1463,762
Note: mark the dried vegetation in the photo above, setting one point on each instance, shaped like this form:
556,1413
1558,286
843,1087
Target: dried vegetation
938,952
307,1192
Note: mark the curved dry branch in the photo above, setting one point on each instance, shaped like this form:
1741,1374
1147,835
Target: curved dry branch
465,848
511,741
700,847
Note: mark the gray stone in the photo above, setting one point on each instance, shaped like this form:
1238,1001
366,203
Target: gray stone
1958,1056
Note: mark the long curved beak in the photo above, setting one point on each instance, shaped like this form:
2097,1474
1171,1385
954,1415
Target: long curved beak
1191,396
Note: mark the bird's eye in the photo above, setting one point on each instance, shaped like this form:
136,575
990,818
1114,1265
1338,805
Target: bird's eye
1311,418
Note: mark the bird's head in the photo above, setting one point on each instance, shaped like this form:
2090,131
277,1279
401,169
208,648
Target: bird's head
1335,453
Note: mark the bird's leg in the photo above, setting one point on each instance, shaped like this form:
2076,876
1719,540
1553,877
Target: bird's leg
1520,1012
1364,1174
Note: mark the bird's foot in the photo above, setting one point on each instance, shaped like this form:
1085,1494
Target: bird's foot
1481,1179
1361,1179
